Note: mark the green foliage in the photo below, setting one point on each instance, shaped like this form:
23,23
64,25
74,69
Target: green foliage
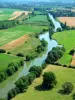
49,80
58,30
2,51
55,54
42,47
67,88
20,55
73,96
44,66
31,76
37,70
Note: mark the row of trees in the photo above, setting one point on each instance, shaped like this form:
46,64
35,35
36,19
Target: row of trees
10,70
55,54
8,24
23,83
62,13
42,47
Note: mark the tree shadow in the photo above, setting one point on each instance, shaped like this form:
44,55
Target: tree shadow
42,88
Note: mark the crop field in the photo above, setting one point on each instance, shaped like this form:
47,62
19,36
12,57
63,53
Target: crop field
6,59
62,74
66,38
6,13
70,21
11,34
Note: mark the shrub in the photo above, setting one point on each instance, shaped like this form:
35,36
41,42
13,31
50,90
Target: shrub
37,70
58,30
49,80
31,76
66,88
44,66
20,55
8,52
2,51
73,96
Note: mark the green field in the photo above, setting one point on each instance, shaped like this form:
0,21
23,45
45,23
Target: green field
11,34
6,59
38,20
66,38
6,13
63,75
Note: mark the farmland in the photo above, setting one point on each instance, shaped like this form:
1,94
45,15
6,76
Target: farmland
62,74
11,34
38,20
70,21
67,41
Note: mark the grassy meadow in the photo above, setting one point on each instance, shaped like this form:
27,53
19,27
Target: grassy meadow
6,13
67,39
6,59
38,20
63,75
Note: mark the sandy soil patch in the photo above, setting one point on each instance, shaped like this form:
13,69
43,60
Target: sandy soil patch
70,21
16,43
73,60
18,13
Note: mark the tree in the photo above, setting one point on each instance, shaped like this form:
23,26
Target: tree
49,80
37,70
73,96
66,88
31,76
20,54
2,51
58,30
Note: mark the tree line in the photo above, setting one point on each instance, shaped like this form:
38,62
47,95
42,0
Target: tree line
10,70
55,54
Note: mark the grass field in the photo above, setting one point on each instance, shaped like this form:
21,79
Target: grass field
66,38
70,21
6,13
11,34
38,19
63,75
6,59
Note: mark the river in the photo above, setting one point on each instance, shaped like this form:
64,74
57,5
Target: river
9,83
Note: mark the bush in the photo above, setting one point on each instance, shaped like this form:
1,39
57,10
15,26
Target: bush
37,70
66,88
20,55
2,51
44,66
49,80
31,76
73,96
58,30
8,52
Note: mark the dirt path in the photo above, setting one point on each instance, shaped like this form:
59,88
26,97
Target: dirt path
69,20
73,60
18,13
15,43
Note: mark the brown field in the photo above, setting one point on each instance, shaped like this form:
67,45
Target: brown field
70,21
17,14
15,43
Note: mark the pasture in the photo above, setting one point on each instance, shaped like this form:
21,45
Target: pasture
67,39
70,21
62,74
38,20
